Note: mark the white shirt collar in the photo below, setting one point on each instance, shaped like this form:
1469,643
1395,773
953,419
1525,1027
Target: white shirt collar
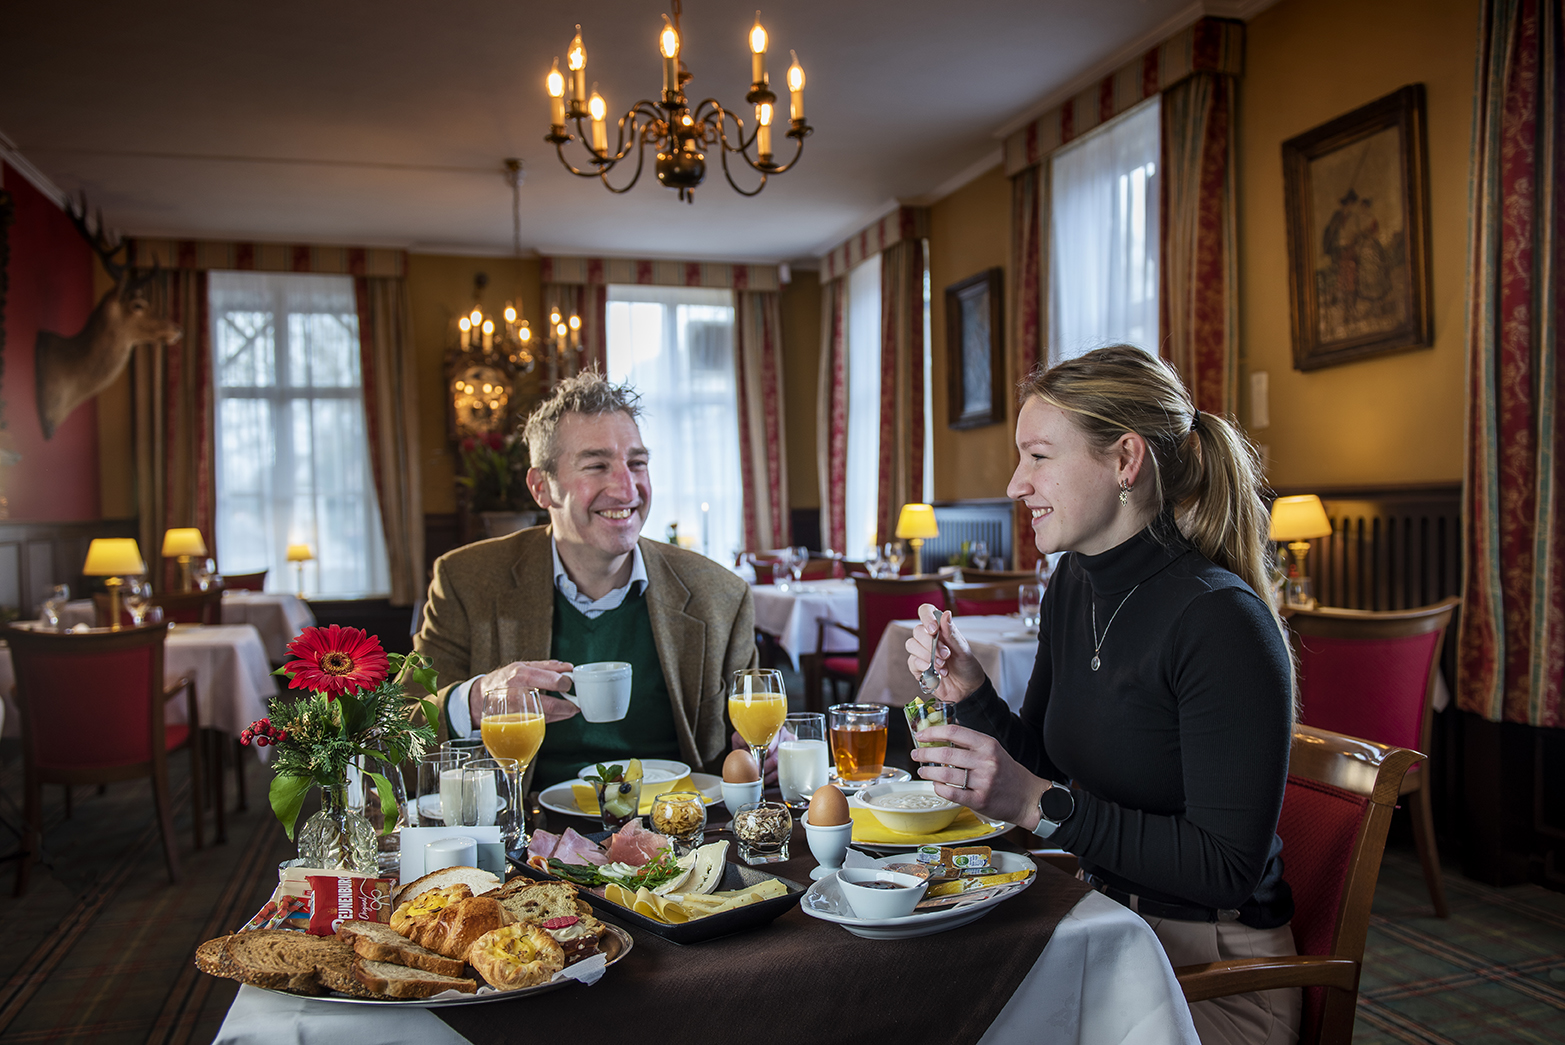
591,608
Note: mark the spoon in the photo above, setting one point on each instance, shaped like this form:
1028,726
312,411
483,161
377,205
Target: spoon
929,679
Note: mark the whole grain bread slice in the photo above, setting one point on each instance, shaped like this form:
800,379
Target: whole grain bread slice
335,968
279,959
379,942
399,981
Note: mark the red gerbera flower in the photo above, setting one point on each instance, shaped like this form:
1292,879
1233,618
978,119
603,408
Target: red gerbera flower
336,660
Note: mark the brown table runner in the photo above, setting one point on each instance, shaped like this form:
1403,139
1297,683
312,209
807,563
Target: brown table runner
798,979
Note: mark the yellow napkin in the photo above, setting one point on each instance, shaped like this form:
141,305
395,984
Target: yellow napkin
587,798
868,829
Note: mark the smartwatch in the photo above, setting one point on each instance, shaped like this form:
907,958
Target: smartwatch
1055,806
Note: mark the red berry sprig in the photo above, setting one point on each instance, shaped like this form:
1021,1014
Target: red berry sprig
262,733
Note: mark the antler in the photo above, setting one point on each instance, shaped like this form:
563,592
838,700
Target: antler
103,243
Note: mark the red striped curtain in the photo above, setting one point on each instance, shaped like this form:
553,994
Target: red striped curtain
1198,295
762,451
388,364
831,437
901,471
1511,646
172,394
590,301
1029,300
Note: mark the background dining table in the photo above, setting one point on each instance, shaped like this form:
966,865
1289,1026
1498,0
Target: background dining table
278,616
1102,977
789,615
1006,652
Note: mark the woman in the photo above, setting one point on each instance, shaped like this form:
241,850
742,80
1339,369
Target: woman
1153,741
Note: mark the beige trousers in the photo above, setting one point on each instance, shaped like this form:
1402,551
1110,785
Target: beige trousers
1261,1018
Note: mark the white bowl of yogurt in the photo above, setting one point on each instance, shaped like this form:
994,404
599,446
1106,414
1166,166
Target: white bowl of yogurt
910,806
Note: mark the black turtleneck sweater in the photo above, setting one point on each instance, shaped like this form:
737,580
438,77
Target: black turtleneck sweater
1177,747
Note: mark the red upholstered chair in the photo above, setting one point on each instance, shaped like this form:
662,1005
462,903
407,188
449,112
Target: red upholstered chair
978,600
91,709
880,603
998,576
1372,675
245,581
1335,814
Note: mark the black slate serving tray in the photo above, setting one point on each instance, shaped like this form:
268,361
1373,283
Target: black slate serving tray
735,876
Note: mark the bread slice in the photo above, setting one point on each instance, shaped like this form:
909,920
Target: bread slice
212,959
377,941
541,902
336,970
279,959
398,981
479,881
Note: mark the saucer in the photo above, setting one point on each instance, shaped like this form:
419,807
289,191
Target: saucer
888,775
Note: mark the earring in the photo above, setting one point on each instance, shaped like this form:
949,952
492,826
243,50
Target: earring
1124,492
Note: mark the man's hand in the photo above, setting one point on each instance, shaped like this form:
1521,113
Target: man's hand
525,674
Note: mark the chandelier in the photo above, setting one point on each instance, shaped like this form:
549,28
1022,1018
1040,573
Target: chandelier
481,335
678,133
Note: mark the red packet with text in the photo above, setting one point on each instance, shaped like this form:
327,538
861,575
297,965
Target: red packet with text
336,899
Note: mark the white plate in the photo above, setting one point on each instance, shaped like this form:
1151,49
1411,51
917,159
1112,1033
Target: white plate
648,765
621,945
559,799
889,775
824,900
998,828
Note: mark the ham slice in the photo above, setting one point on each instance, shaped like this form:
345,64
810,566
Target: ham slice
542,844
574,849
635,845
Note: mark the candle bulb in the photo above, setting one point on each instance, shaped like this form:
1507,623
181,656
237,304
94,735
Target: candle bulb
488,335
763,129
466,327
575,331
795,89
556,84
600,133
668,43
576,58
758,51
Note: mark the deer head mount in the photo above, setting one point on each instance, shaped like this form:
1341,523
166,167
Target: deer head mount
69,371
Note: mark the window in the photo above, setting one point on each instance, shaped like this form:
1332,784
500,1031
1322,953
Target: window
1103,244
292,455
675,345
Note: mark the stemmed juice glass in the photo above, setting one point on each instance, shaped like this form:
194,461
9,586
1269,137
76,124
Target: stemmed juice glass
757,704
512,727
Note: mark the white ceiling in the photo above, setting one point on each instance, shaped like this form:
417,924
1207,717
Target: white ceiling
386,123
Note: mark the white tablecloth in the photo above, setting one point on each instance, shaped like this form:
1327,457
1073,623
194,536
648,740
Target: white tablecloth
232,675
1103,978
1006,653
278,616
789,615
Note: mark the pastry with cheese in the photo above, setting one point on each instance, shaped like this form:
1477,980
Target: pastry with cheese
516,956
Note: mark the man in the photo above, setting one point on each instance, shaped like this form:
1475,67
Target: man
519,611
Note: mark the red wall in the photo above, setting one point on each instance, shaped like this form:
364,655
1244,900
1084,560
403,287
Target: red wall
50,273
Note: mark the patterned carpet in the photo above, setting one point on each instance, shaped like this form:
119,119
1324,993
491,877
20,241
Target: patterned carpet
100,949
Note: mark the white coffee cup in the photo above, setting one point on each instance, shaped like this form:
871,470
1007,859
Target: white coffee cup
601,690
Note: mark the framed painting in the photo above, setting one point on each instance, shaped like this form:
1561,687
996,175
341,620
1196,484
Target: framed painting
974,365
1357,196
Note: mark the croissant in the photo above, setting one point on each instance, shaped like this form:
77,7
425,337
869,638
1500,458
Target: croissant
453,931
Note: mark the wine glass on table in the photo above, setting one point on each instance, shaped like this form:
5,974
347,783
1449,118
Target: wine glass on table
757,705
138,593
896,555
512,727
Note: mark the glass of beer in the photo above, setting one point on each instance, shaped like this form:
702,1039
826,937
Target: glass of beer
858,740
757,705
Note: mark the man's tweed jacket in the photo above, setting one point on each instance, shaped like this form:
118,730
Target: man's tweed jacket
492,603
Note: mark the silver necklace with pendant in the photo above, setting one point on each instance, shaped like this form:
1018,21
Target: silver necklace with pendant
1097,643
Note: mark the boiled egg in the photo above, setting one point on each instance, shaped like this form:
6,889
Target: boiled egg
739,768
827,807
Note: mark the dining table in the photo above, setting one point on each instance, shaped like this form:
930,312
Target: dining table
1055,962
278,616
788,612
1003,647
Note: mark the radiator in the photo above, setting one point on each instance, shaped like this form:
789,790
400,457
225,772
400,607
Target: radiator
987,521
1389,550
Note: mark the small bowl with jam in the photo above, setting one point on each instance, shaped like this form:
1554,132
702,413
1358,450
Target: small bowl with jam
875,893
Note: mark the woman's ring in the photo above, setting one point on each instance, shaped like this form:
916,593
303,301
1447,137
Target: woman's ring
965,772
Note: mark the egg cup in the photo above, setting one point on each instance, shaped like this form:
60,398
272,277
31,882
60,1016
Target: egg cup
829,845
736,795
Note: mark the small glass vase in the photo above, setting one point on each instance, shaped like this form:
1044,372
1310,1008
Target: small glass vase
338,836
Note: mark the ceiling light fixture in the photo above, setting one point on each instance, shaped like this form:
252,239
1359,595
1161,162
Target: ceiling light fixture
679,133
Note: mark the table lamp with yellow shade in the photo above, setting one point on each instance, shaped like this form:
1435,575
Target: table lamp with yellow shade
114,558
915,525
184,543
1296,520
299,554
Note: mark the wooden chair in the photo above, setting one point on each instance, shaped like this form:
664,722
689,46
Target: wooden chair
1335,815
880,603
191,607
1373,675
975,600
245,581
91,710
972,576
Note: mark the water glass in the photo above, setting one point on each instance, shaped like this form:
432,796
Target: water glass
800,558
491,794
896,555
439,788
858,740
1029,602
54,607
137,594
802,758
978,555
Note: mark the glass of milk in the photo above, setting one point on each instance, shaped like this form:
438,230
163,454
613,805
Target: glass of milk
802,758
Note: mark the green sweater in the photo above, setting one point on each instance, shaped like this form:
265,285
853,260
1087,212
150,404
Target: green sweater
647,730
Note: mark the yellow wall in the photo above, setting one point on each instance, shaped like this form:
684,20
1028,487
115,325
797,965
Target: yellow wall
116,432
440,288
1394,419
801,337
969,232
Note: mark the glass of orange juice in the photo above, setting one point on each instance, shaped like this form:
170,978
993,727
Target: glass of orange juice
512,728
757,704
